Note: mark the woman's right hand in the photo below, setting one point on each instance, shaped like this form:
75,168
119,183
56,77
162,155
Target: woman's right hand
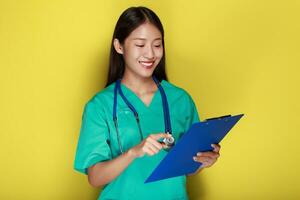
149,145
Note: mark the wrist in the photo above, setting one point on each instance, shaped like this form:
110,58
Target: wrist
131,154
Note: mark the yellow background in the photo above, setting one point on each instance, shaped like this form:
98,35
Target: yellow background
232,56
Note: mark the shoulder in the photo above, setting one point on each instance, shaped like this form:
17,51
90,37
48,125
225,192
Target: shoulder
102,98
175,91
181,101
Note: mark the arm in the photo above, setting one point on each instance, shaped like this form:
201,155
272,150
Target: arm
104,172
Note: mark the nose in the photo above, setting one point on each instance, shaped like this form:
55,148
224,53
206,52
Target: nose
149,53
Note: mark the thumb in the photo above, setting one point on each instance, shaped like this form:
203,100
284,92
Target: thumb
161,135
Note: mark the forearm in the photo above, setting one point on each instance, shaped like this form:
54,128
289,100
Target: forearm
104,172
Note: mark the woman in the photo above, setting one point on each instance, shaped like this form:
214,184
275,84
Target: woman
123,125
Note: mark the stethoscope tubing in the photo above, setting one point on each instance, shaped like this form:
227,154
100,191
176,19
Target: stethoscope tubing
117,89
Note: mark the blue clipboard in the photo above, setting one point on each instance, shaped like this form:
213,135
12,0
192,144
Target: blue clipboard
179,161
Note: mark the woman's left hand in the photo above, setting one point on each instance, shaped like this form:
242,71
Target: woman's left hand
208,158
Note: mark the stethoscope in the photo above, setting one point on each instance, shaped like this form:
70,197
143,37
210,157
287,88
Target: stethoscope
168,129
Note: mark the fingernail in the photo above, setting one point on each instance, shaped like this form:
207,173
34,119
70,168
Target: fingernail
199,154
195,158
213,145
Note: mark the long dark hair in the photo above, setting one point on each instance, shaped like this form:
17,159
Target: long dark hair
129,20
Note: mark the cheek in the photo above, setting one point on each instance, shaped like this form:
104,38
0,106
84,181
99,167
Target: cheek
159,53
131,54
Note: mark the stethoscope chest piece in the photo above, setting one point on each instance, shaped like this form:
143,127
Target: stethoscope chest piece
169,142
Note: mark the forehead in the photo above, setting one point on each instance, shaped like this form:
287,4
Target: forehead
146,31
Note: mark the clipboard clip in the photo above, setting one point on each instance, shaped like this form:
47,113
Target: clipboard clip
221,117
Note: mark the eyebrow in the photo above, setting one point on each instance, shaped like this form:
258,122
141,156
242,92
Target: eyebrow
145,39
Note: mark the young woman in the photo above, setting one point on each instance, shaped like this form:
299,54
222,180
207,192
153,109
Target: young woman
123,125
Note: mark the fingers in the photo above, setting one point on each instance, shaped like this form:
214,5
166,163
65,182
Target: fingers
164,146
208,158
216,147
151,145
210,154
159,135
150,151
154,143
205,161
202,159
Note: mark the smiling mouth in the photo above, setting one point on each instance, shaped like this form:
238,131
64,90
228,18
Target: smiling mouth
146,64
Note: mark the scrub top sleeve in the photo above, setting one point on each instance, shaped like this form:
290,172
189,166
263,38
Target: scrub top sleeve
92,145
193,113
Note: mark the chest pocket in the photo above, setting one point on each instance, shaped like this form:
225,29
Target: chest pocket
129,135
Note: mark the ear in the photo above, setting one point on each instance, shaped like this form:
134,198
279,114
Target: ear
118,47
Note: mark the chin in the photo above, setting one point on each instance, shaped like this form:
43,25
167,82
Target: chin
146,76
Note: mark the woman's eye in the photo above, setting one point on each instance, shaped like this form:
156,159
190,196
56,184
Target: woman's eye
141,45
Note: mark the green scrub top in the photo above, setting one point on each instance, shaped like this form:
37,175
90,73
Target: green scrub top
98,140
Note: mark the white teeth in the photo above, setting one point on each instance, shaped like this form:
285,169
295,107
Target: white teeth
147,64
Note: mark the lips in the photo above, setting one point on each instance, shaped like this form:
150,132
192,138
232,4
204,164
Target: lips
146,64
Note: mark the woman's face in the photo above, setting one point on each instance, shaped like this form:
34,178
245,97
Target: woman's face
142,50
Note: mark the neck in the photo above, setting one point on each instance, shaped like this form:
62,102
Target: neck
139,85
